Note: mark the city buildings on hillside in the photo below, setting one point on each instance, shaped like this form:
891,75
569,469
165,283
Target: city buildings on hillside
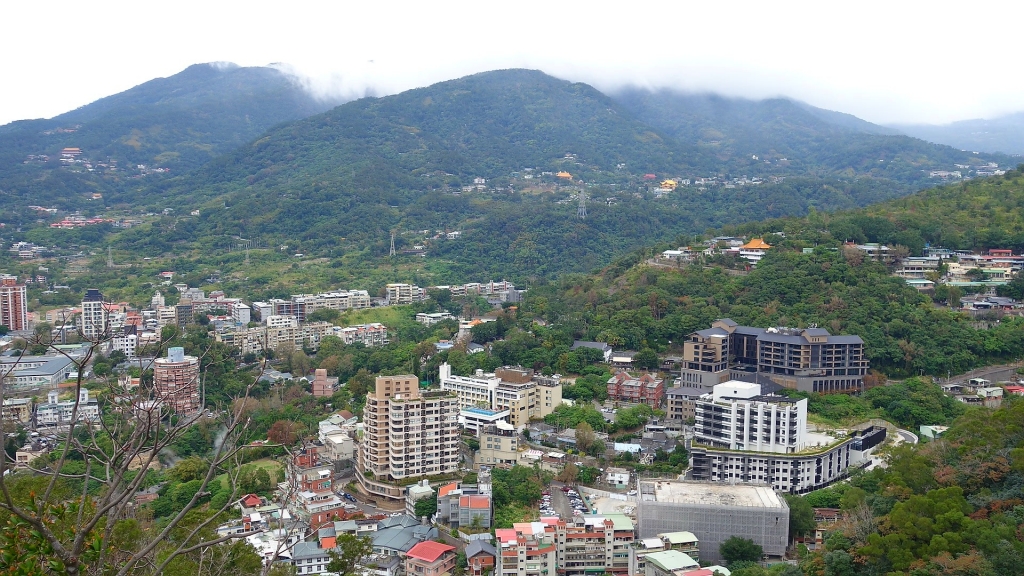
589,544
27,373
407,434
176,382
300,305
464,506
643,389
13,303
805,359
522,393
743,436
713,513
56,412
311,490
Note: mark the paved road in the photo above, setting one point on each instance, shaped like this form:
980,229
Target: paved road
559,501
907,435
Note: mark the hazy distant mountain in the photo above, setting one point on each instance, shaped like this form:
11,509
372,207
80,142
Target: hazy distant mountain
1004,134
810,139
177,122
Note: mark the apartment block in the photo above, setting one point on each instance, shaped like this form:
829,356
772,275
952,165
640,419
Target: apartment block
581,546
407,434
404,294
643,389
805,359
464,505
176,381
741,436
519,391
499,446
370,335
680,404
13,303
56,412
473,391
300,305
93,321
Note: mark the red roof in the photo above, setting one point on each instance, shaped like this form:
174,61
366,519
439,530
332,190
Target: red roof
251,500
429,550
446,489
478,502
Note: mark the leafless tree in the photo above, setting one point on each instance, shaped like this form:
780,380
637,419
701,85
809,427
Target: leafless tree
51,529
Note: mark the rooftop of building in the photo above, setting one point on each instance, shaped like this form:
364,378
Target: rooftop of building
749,496
672,560
429,551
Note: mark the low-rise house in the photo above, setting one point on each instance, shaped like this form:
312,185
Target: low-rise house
606,350
430,319
480,557
413,494
430,559
617,476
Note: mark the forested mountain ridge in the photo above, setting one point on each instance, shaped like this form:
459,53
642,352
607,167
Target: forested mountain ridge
180,121
792,135
340,182
175,124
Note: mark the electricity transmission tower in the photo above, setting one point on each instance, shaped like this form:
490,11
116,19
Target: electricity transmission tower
581,211
392,244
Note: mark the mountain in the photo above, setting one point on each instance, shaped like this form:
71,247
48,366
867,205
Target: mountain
1004,134
796,136
174,124
180,121
479,155
344,179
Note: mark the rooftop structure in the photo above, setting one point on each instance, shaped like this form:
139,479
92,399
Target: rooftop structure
713,513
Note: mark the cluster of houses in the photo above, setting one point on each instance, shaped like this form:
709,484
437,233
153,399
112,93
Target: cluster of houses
957,268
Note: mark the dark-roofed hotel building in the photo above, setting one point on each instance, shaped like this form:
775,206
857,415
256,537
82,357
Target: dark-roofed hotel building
806,359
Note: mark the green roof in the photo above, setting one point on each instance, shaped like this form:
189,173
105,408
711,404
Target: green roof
671,560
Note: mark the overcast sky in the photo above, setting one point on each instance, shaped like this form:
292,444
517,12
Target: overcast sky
890,61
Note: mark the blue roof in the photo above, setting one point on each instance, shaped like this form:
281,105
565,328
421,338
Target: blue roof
482,411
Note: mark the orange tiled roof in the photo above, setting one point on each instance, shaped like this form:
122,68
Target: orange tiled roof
756,244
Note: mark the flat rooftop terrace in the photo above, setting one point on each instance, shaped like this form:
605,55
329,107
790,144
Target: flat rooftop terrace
708,494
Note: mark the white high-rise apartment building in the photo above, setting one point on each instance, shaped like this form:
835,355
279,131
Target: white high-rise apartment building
736,416
93,320
473,392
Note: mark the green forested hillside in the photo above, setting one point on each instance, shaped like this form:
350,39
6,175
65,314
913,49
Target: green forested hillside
904,333
976,215
178,123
